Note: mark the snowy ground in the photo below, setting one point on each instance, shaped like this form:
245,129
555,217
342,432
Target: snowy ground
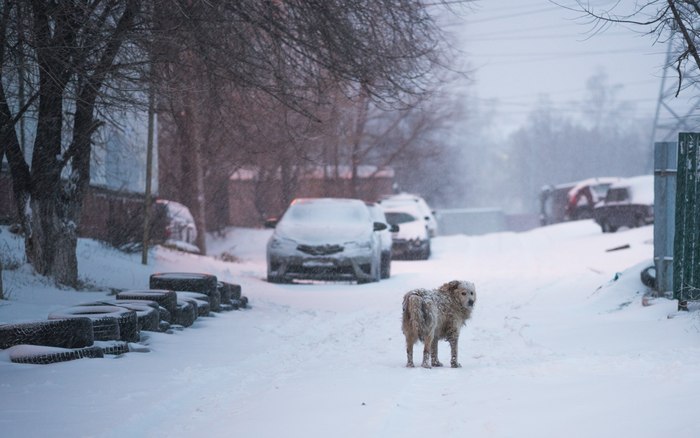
556,348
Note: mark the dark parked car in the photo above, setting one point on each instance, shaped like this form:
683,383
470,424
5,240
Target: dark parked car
325,239
583,197
572,201
629,203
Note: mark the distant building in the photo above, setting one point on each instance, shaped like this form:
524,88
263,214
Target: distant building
255,194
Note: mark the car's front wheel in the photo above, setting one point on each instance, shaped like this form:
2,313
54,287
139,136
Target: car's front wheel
374,273
386,265
277,279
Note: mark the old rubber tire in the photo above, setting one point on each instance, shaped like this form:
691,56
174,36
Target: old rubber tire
147,314
229,291
165,298
64,333
105,322
648,276
188,281
186,313
200,301
113,348
126,318
42,355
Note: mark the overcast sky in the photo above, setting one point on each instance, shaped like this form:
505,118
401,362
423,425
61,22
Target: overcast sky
522,49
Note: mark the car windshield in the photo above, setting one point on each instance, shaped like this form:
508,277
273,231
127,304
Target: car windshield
377,214
396,218
327,212
617,195
600,190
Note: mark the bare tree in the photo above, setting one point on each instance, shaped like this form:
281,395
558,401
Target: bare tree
291,52
675,20
79,59
72,48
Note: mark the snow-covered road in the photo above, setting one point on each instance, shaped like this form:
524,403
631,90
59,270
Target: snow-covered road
555,348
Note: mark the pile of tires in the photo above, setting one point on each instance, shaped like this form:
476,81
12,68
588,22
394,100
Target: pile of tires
113,327
50,341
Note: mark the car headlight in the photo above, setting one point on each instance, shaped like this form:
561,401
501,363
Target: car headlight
280,243
366,244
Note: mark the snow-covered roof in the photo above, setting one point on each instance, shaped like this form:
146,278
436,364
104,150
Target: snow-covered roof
641,188
320,172
592,182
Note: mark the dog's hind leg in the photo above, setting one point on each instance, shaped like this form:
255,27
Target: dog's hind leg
409,351
434,353
427,347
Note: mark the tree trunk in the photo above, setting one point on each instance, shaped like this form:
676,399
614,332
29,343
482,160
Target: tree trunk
2,293
50,247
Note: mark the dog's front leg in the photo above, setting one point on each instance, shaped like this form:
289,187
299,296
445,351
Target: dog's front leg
453,340
434,353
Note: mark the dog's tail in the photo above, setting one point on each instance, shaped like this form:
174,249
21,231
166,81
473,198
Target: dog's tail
414,315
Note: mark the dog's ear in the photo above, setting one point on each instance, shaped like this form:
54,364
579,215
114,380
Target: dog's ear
452,285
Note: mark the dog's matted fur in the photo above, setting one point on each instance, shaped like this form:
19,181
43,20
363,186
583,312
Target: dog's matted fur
435,314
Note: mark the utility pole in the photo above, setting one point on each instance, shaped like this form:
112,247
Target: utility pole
668,119
149,176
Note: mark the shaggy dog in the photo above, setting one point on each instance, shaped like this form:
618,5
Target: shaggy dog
431,315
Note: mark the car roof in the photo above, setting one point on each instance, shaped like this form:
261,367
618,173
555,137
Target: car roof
641,187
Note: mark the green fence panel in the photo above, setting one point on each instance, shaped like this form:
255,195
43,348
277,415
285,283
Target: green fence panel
686,247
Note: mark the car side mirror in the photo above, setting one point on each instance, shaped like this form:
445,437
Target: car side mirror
394,228
271,223
379,226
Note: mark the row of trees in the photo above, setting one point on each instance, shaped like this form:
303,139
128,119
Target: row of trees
598,136
70,67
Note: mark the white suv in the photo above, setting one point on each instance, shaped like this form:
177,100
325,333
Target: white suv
401,199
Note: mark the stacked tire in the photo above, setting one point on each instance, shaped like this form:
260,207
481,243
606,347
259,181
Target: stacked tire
50,341
189,282
111,327
108,322
166,300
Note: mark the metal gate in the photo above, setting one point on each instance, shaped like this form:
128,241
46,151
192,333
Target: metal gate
686,247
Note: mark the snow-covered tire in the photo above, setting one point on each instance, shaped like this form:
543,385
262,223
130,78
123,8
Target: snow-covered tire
42,355
242,303
147,314
163,326
186,313
126,318
106,320
229,291
199,300
165,316
165,298
63,333
648,276
188,281
113,348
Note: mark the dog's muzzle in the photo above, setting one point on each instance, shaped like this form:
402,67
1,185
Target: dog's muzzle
470,303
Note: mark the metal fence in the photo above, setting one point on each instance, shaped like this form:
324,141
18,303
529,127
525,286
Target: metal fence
686,248
665,165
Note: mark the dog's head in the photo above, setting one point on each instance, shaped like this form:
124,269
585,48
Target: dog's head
464,291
